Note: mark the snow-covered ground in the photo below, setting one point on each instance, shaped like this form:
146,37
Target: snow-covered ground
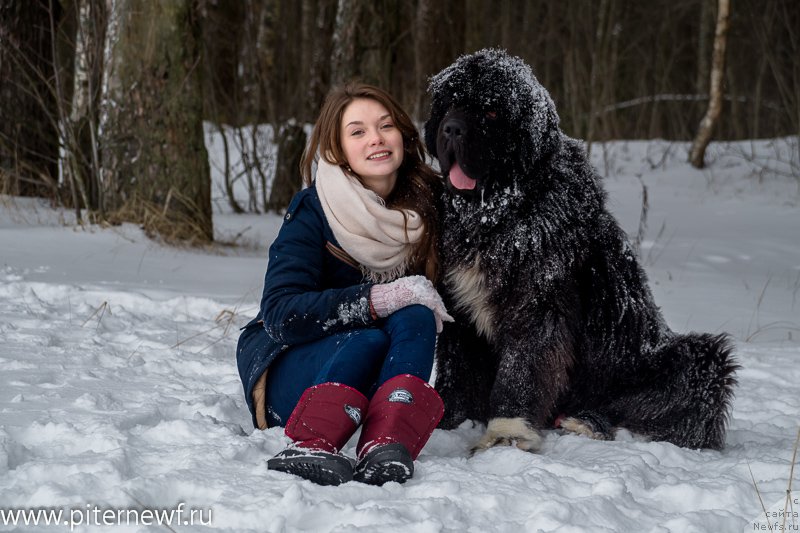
119,390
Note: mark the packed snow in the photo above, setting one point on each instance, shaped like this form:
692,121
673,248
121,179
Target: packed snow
119,389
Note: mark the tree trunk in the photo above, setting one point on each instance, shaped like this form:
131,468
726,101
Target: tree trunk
320,44
376,43
81,157
597,70
698,151
424,31
440,34
289,100
291,142
344,41
704,38
153,142
305,88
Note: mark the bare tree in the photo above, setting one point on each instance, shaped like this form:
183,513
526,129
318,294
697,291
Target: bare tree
79,117
290,101
154,156
28,131
424,28
344,52
601,73
286,182
433,48
259,73
704,39
439,37
698,150
80,122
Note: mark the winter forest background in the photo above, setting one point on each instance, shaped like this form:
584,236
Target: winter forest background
133,132
103,101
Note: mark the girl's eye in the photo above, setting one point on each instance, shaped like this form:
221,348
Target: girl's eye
356,132
387,126
491,115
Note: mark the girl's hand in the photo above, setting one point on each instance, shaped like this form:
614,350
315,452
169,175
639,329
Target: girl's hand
387,298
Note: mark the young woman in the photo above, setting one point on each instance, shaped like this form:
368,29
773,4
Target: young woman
349,314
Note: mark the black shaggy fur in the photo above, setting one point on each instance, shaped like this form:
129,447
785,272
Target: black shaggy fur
553,312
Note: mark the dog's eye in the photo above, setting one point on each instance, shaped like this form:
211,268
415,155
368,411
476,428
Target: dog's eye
491,115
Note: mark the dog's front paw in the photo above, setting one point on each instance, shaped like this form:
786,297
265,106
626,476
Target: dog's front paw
588,424
505,431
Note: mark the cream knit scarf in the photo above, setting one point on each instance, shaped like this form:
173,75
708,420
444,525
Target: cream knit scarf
372,234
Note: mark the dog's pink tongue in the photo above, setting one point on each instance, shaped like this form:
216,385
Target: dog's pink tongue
461,180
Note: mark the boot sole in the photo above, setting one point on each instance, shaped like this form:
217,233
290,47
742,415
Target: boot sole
389,462
321,468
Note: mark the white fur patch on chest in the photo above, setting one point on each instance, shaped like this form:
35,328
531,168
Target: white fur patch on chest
471,295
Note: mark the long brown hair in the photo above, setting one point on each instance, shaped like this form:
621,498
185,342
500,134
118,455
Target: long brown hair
417,185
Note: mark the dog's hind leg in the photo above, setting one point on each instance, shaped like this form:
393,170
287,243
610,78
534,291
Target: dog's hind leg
589,424
686,397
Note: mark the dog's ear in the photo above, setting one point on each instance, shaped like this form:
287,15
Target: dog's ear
431,127
430,137
438,89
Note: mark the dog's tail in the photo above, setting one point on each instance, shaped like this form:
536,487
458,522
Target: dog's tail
684,395
703,369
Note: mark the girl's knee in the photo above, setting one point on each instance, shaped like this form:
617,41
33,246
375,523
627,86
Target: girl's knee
365,346
418,315
374,340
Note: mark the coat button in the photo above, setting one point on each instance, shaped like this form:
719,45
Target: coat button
288,216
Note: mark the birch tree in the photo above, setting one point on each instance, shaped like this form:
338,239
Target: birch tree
81,157
698,151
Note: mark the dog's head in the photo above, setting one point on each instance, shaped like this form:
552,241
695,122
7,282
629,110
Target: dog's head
490,121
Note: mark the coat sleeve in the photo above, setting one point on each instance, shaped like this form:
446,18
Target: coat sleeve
295,307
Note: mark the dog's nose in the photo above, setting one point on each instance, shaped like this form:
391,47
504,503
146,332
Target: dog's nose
453,128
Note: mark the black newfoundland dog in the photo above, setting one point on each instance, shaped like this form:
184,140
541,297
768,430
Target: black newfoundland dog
555,324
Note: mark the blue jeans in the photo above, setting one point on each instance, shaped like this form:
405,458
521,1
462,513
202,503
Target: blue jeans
364,359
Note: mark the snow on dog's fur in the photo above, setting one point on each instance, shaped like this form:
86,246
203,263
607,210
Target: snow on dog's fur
555,323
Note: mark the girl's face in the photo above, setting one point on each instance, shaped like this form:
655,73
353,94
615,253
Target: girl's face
372,144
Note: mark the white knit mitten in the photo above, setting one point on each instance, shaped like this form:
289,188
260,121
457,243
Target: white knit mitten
387,298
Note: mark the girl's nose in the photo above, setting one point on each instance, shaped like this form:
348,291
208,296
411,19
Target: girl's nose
377,138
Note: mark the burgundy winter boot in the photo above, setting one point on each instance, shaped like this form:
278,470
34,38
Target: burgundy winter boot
325,417
400,419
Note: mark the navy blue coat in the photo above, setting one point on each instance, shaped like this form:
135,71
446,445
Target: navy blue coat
312,289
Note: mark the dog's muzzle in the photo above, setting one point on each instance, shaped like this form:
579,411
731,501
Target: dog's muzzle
450,142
